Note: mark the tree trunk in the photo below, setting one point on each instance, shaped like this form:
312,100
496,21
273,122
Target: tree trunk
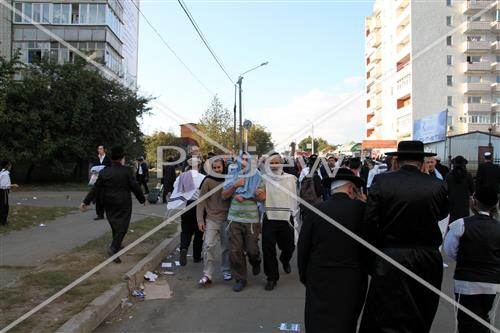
29,173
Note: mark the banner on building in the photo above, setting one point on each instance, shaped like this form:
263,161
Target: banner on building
431,128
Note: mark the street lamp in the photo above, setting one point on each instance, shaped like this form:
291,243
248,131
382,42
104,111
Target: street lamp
239,83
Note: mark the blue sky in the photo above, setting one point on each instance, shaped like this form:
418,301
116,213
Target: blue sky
315,52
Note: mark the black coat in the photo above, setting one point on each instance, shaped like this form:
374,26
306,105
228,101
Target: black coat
168,179
106,161
145,171
488,175
330,266
402,214
459,192
113,188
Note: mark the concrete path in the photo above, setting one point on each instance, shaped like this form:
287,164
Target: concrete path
219,309
32,246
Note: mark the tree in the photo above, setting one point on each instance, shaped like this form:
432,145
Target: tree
319,144
152,142
216,124
261,138
59,114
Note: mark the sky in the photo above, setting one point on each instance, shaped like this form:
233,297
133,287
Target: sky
315,51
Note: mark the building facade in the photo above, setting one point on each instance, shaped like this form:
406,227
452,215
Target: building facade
105,30
426,57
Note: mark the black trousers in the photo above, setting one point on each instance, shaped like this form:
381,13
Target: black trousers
142,182
99,209
4,206
276,233
189,228
480,305
119,221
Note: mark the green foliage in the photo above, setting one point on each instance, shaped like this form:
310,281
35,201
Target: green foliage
61,113
319,144
260,137
216,123
157,139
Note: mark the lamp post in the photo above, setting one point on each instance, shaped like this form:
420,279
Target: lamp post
247,124
239,83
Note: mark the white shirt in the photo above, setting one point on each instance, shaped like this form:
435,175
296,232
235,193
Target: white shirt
101,158
451,245
139,169
5,179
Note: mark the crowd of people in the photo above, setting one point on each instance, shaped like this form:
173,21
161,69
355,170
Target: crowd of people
407,205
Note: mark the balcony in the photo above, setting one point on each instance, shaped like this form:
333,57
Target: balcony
477,107
377,72
376,56
478,26
402,4
495,26
377,88
470,7
377,105
480,87
483,66
495,67
403,50
377,40
495,46
495,87
474,46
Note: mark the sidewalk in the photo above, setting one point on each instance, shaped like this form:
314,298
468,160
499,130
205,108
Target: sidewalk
30,247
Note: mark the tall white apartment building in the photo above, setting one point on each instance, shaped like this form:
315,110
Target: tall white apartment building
107,30
425,57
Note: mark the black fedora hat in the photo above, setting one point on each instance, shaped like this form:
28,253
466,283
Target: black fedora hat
410,148
346,174
459,160
117,153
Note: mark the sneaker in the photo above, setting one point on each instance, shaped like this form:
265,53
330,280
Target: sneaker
240,285
183,257
256,268
227,276
287,268
204,281
270,285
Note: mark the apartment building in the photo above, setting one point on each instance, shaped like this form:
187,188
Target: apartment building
423,58
106,30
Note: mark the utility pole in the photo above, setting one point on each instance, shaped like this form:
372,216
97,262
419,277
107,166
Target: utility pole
312,141
240,81
234,120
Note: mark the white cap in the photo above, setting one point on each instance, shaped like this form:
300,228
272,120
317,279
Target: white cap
487,154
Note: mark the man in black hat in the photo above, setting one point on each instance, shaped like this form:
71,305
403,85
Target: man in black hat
330,261
113,187
401,219
488,173
142,173
474,242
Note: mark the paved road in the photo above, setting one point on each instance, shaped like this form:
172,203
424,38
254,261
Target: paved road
219,309
32,246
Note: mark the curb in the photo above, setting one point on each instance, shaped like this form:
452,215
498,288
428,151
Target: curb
102,306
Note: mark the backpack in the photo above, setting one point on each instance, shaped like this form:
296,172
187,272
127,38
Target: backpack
311,189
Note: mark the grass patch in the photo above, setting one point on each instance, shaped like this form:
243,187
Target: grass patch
53,187
22,216
45,280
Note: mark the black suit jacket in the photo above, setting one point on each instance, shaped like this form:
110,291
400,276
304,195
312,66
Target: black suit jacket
488,175
403,209
114,187
323,245
106,161
145,171
168,178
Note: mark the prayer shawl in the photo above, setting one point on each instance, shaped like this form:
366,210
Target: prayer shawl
281,196
179,199
251,175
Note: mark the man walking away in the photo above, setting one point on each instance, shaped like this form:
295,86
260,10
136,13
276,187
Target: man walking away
142,174
277,228
488,173
115,185
5,186
244,226
101,160
330,262
474,242
168,179
401,219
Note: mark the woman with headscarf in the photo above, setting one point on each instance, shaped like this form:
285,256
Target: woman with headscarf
460,188
244,225
186,191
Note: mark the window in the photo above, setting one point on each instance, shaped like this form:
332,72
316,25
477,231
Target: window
449,101
448,21
19,8
474,38
497,99
498,58
449,60
473,59
497,118
474,99
36,12
473,79
448,3
449,80
92,13
448,41
61,13
474,18
75,15
497,15
479,118
498,79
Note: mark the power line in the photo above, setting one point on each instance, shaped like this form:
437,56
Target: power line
200,33
172,50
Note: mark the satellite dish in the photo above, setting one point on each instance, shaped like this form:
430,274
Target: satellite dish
247,124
